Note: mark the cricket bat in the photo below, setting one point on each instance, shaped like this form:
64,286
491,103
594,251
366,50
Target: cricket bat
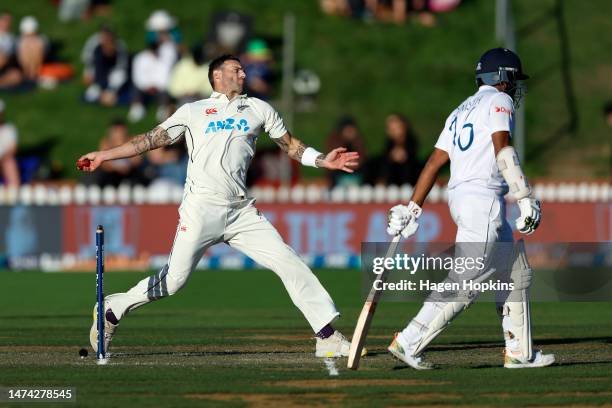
367,313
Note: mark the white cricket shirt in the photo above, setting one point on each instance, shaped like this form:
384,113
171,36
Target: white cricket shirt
466,138
221,135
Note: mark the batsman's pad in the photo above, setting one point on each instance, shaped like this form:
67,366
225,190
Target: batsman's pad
449,305
516,307
508,163
447,311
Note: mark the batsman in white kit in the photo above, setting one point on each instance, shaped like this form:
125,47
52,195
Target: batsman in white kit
221,132
484,168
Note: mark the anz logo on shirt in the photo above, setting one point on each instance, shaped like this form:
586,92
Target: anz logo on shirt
230,123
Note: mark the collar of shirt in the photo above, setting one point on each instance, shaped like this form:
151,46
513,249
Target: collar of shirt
487,88
219,95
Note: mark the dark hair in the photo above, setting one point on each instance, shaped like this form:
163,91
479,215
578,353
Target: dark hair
411,141
118,122
608,108
344,121
402,118
216,64
107,29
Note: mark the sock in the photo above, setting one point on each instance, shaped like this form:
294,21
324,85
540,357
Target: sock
325,332
110,316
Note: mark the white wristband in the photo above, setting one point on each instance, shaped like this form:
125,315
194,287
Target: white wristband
309,158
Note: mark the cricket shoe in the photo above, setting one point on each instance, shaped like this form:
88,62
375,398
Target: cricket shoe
415,362
109,330
335,345
538,360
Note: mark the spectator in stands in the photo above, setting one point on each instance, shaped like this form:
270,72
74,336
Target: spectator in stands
115,172
162,27
8,148
98,8
10,72
396,11
31,48
347,134
152,67
351,8
7,39
256,63
11,76
189,78
388,10
70,10
421,9
399,163
169,164
229,31
608,113
106,59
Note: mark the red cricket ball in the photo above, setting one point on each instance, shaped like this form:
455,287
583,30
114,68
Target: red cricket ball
83,163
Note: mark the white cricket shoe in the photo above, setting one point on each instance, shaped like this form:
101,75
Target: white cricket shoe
539,360
415,362
109,331
335,345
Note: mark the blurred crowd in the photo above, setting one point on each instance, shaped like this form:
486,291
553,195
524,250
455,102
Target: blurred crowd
396,11
166,72
160,77
25,58
163,75
8,150
397,164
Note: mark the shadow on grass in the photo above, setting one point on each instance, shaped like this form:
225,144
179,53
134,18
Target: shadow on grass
199,353
49,316
539,342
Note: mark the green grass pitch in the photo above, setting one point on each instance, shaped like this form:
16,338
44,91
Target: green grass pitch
233,338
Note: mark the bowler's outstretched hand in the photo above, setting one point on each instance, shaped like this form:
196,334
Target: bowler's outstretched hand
90,161
340,159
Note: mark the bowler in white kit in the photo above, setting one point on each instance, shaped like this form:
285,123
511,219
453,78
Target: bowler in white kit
221,132
484,168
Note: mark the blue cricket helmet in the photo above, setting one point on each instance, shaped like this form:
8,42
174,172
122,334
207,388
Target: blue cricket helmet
500,65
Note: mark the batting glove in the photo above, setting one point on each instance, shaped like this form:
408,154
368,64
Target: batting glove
531,213
402,219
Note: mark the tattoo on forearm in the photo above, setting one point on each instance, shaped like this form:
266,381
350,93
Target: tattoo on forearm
295,148
153,139
319,160
299,152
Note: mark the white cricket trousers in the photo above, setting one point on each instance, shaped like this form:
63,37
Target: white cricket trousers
208,219
480,216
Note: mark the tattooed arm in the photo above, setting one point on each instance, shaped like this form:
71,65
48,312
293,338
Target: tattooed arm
294,147
153,139
337,159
